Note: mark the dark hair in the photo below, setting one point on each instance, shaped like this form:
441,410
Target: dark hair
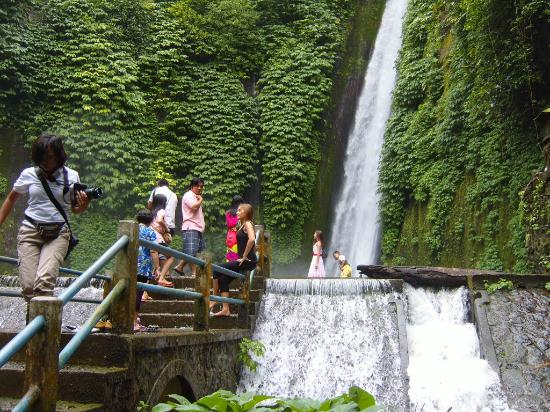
235,202
319,236
40,147
159,202
144,216
196,181
336,251
162,182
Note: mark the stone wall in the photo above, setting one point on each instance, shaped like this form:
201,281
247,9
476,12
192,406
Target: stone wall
520,328
193,365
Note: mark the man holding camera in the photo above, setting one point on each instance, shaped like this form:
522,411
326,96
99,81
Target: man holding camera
192,223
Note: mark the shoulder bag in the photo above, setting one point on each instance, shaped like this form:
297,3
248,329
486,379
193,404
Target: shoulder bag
73,240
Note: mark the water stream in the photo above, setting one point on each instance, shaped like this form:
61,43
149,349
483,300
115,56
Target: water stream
445,368
324,336
13,309
355,229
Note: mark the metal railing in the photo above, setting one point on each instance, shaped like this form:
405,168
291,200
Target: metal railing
42,334
46,313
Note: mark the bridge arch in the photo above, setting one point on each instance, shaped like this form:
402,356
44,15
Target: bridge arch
175,378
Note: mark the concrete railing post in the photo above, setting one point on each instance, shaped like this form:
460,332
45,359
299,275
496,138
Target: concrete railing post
203,280
124,308
41,368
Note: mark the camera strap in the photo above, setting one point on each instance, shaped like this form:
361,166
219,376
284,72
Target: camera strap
48,191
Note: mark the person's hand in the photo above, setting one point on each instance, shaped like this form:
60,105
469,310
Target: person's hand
82,202
156,273
241,260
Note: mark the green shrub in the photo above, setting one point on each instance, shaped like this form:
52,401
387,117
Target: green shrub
355,400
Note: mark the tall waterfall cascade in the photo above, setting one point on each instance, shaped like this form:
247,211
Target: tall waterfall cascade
355,230
323,336
445,368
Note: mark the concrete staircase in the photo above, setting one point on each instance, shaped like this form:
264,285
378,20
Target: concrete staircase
99,376
95,379
166,312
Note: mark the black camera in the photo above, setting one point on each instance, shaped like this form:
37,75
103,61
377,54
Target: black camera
91,192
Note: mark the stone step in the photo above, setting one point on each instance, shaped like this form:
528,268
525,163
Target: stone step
7,404
83,384
255,295
179,307
99,349
183,282
168,320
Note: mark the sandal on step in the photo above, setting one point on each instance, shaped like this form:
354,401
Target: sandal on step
165,283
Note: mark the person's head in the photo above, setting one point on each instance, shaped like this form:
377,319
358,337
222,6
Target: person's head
162,182
144,216
336,254
196,186
245,212
159,202
235,202
48,153
342,260
318,236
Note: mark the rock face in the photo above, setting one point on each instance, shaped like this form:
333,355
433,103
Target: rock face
536,208
520,326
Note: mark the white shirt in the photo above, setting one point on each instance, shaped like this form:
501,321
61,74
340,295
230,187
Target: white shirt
40,207
171,204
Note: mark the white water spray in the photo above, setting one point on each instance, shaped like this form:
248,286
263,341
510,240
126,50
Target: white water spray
355,229
445,368
324,336
14,309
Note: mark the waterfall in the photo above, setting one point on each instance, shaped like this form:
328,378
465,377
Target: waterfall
13,309
355,229
445,368
323,336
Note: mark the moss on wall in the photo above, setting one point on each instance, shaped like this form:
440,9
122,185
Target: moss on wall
461,142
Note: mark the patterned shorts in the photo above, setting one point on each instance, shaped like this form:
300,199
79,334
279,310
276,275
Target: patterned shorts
193,242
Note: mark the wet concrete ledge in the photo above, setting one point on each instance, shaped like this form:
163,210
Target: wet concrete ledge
451,277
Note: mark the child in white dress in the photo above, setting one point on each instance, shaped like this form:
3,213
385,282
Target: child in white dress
317,267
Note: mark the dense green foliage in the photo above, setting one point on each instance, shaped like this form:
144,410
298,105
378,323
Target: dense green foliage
354,401
245,347
460,144
535,216
143,89
498,285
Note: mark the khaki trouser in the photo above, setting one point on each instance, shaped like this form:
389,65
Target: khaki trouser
40,260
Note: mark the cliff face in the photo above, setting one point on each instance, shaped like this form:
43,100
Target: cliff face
461,142
535,204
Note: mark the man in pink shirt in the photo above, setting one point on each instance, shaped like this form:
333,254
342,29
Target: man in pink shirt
192,223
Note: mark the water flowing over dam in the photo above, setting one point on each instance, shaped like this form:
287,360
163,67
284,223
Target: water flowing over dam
13,310
355,229
445,367
323,336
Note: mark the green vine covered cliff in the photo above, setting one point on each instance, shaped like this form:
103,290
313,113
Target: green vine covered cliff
230,90
461,142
